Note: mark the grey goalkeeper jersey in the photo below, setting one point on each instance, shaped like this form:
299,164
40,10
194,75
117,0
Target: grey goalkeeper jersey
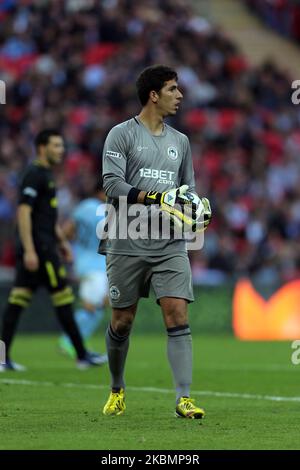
133,157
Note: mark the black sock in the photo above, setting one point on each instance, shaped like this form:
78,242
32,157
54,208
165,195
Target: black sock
66,319
9,325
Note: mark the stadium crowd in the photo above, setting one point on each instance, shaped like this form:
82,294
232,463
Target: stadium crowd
72,65
281,15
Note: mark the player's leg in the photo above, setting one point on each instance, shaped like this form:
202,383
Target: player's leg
19,298
179,343
172,284
126,276
88,318
117,344
62,299
92,296
180,354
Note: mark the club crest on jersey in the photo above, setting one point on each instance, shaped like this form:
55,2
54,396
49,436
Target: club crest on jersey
172,153
114,293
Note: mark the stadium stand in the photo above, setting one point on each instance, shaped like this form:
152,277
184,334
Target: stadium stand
73,65
281,15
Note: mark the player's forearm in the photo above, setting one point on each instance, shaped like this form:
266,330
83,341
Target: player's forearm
115,187
25,227
60,236
63,244
69,229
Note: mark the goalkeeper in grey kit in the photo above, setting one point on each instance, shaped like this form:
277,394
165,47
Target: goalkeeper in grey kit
150,163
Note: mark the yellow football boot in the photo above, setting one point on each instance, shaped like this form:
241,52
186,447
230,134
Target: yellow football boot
186,409
115,404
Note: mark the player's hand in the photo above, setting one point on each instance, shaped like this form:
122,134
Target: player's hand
194,219
66,251
207,214
31,260
169,198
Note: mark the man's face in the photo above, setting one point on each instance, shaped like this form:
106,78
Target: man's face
169,98
54,150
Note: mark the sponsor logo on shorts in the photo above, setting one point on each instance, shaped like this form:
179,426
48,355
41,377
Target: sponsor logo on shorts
110,153
114,293
172,153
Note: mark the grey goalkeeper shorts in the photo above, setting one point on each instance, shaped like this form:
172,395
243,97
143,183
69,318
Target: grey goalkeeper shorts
130,277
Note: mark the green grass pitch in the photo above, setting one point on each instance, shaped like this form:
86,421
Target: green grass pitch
250,392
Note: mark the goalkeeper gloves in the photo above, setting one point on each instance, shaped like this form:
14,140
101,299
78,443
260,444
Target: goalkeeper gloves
186,210
207,214
168,198
191,218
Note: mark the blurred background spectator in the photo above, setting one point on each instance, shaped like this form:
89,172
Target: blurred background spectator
281,15
72,65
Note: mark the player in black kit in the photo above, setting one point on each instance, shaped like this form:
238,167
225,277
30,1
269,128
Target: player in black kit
40,241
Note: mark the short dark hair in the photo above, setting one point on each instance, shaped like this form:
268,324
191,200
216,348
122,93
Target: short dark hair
43,137
153,78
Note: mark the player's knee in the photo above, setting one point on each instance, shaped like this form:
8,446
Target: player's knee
122,322
175,313
122,328
175,319
20,296
62,297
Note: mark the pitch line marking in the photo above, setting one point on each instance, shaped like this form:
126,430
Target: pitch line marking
245,368
207,393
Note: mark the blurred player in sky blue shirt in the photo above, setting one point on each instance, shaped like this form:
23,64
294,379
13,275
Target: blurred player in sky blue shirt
89,266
